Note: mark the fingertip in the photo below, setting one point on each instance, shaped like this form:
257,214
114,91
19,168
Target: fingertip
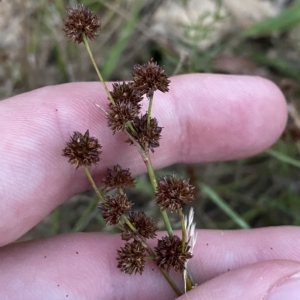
253,282
224,117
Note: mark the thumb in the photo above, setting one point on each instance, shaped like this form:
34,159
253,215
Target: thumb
269,280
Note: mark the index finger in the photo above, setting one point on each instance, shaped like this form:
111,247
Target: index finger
205,118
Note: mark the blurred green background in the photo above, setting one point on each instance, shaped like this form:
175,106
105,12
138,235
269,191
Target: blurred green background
260,38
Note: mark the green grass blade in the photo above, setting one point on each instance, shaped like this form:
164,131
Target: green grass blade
117,49
288,18
89,212
284,158
217,200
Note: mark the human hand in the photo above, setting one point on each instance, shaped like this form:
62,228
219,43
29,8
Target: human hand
205,118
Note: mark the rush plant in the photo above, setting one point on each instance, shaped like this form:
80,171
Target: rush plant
123,113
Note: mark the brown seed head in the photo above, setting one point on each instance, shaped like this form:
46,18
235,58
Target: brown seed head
80,20
145,226
125,92
172,191
169,253
148,138
117,177
114,208
150,77
120,113
82,150
131,258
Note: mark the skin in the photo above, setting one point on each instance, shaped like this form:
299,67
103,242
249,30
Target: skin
205,118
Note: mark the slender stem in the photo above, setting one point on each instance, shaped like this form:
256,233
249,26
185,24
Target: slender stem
86,43
154,185
189,281
164,272
171,282
89,176
129,125
183,229
131,226
149,110
84,218
146,158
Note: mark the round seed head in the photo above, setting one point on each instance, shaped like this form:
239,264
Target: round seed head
145,227
114,208
131,258
80,20
150,77
148,138
125,92
169,254
117,177
82,150
120,113
171,192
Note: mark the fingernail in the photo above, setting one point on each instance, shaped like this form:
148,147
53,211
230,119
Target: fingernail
288,289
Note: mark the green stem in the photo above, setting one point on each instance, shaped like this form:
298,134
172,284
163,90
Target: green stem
83,220
146,158
164,272
125,219
86,43
149,110
89,176
152,177
171,282
129,125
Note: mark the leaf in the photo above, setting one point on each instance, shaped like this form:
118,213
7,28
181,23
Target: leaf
288,18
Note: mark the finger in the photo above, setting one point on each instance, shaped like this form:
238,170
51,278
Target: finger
84,265
75,266
205,118
271,280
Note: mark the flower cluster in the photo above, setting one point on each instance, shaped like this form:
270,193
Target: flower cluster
131,258
172,191
150,77
82,150
126,107
147,136
114,207
79,21
117,177
169,253
145,227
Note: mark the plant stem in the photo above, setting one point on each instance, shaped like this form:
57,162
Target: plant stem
154,185
171,282
129,125
125,219
149,110
86,43
164,272
89,176
84,218
189,282
183,229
